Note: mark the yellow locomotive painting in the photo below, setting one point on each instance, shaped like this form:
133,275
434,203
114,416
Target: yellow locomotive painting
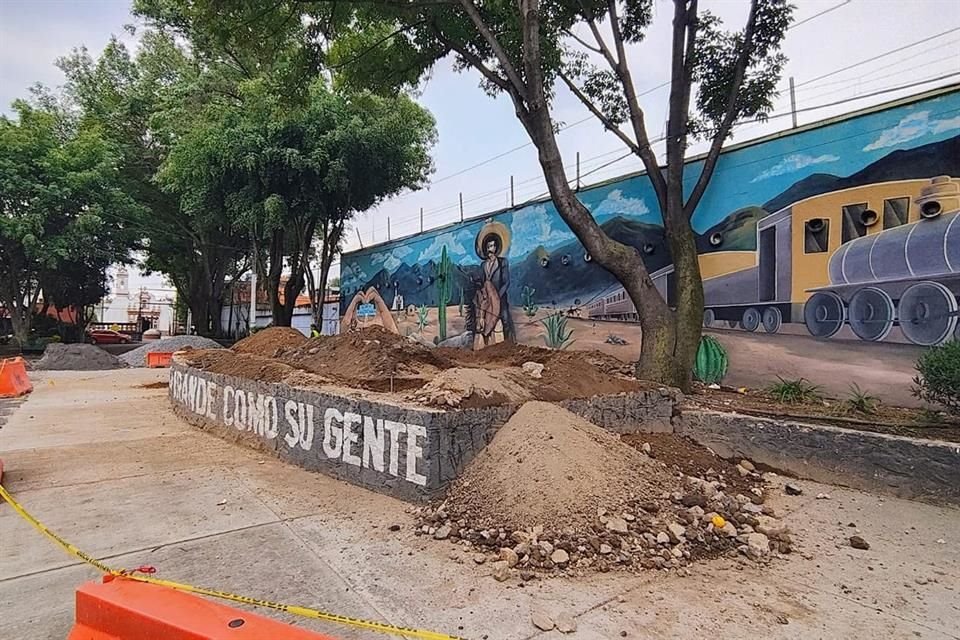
871,257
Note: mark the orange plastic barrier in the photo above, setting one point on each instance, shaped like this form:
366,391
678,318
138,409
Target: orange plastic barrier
159,359
13,378
120,609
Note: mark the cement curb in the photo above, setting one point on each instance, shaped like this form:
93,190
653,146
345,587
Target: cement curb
906,467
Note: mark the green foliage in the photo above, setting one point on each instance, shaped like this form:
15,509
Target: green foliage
422,317
798,391
938,376
557,336
526,298
61,197
712,361
444,284
860,401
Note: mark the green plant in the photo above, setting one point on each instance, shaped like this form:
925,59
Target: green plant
421,318
938,376
861,401
712,361
526,297
443,292
557,336
799,391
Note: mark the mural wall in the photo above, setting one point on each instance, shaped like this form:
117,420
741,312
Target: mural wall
851,225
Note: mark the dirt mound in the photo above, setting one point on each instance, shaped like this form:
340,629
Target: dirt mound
242,365
472,388
76,357
269,342
548,467
372,358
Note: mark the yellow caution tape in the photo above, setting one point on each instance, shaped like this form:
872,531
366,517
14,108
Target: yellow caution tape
305,612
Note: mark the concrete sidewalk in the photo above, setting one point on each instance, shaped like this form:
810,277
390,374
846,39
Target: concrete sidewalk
103,462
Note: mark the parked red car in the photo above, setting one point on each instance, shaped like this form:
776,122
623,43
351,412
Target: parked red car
107,336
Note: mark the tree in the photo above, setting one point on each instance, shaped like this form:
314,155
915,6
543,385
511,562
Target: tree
522,49
60,193
288,174
143,105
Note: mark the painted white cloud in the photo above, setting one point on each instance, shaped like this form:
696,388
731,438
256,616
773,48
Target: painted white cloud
533,227
353,274
456,242
913,126
616,204
391,259
793,163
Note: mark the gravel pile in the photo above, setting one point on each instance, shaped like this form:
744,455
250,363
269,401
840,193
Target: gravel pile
138,357
76,357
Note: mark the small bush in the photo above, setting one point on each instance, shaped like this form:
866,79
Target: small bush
938,376
861,401
557,336
799,391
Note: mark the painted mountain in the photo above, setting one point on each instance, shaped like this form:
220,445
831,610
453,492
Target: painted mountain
934,159
738,232
416,283
560,284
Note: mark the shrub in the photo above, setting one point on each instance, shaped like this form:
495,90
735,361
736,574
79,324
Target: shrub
860,401
799,391
938,376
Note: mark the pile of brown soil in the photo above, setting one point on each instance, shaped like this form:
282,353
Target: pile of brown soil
270,342
553,492
686,456
547,466
372,358
242,365
472,388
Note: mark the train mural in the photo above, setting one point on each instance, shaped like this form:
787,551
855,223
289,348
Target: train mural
845,224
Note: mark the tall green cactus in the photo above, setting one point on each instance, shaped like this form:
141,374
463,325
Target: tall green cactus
712,361
444,284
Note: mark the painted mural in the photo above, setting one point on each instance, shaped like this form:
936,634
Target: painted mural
849,225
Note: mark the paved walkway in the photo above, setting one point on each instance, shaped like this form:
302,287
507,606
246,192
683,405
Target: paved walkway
102,461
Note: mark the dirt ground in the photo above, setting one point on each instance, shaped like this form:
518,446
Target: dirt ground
105,463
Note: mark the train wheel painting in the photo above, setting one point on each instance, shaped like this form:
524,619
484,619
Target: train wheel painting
750,320
772,319
928,313
823,314
709,318
871,314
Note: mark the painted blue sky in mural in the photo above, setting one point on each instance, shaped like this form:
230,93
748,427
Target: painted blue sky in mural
744,177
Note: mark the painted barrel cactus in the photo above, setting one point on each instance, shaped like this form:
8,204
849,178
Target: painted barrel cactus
712,361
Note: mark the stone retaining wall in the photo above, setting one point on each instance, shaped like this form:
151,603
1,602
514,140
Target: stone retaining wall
408,451
906,467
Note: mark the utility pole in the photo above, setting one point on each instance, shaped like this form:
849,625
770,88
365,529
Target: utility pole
359,239
388,228
461,206
511,191
578,172
421,219
253,290
793,103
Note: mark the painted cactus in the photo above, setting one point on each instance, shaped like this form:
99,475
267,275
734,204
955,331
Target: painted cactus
444,285
712,361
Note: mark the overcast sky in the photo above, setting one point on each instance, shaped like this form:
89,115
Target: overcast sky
474,127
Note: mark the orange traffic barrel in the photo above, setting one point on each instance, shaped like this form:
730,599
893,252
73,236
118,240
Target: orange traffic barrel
13,378
123,609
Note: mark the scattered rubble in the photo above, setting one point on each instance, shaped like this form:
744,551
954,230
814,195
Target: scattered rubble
555,494
792,489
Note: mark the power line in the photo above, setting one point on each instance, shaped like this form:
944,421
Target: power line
817,15
879,56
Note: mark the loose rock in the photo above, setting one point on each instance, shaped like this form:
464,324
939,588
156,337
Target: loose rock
542,621
560,557
617,525
509,556
859,543
746,464
501,571
566,623
533,369
442,533
792,489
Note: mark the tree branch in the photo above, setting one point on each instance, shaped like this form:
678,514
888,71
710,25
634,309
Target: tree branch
607,122
583,43
602,44
637,119
710,162
472,59
498,49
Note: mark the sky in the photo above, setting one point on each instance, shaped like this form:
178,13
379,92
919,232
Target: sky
473,127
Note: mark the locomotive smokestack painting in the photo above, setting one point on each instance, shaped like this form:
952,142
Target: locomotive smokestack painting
844,229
